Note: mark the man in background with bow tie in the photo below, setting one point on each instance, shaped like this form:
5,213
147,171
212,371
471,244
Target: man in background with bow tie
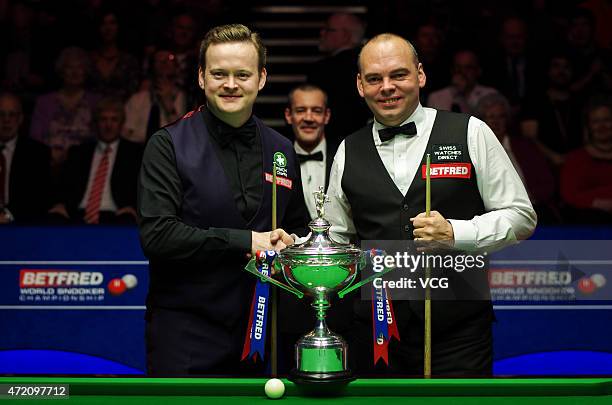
205,206
377,192
308,114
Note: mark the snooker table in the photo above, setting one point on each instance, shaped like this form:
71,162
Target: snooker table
191,391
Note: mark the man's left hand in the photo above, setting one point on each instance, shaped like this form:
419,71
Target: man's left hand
432,228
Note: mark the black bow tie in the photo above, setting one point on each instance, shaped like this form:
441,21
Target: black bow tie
315,156
387,134
244,134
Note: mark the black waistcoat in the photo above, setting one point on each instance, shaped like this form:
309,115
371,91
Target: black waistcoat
381,212
219,288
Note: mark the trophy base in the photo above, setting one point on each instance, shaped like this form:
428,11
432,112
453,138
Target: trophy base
321,384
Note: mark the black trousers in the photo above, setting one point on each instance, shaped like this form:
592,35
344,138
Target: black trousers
465,350
184,343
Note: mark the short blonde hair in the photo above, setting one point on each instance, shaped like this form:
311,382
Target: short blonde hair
232,33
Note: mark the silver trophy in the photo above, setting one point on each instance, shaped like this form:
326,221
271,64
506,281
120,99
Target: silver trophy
318,268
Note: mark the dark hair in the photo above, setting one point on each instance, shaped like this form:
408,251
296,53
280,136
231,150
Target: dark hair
581,12
109,103
99,20
306,87
232,33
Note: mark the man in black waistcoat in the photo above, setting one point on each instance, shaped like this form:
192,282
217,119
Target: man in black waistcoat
205,206
377,191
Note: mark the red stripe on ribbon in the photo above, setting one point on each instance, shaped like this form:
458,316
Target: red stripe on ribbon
393,331
246,349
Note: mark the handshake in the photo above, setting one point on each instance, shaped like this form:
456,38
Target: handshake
276,240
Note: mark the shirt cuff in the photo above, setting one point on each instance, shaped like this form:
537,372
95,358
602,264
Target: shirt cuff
464,233
240,240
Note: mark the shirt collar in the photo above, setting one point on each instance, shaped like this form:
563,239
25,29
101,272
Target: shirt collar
418,116
101,146
9,146
321,147
215,125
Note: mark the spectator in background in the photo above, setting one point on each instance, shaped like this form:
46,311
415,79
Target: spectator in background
586,174
341,41
159,105
464,93
308,115
63,118
98,183
24,69
115,72
183,46
24,168
551,119
513,70
529,162
429,42
585,55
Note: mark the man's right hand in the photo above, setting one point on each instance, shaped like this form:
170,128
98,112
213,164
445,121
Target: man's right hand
281,236
276,240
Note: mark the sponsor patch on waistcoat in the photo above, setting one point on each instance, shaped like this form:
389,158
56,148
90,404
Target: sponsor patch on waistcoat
447,153
448,170
280,180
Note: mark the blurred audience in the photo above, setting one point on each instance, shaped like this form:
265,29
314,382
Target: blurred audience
585,55
63,118
545,57
528,161
184,47
513,69
25,68
340,41
98,182
24,168
115,72
585,177
552,118
429,43
160,104
464,92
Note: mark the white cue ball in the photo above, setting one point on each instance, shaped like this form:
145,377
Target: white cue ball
599,280
130,281
274,388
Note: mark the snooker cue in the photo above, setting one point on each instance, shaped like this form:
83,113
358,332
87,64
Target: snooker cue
274,297
427,365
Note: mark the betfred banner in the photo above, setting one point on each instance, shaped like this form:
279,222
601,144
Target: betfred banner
66,284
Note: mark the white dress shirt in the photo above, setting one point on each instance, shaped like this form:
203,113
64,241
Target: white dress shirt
508,148
107,203
509,214
8,152
313,174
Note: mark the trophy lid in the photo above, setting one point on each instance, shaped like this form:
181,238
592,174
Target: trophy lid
320,242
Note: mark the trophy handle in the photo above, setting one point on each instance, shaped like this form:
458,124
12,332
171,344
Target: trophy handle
357,285
251,267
